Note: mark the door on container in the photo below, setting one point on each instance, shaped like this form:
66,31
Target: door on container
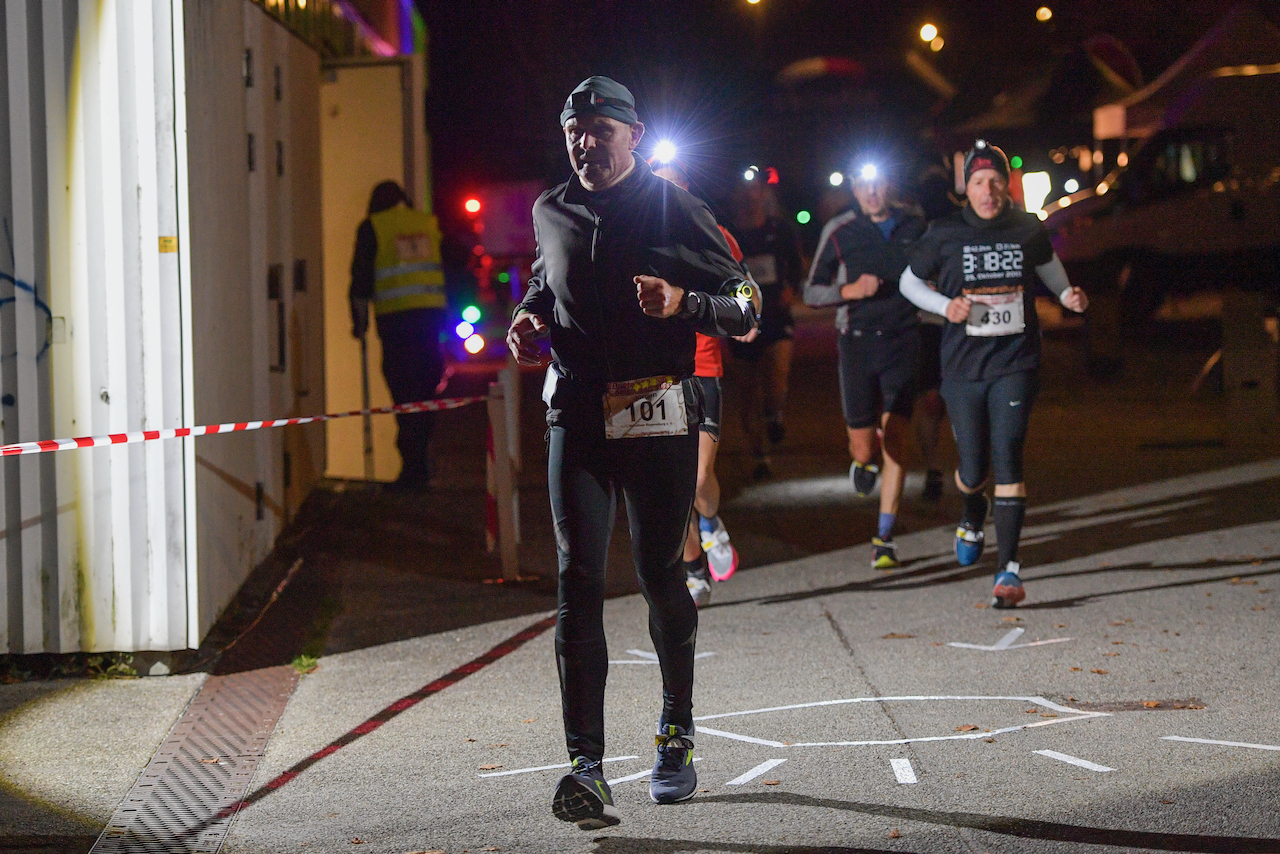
372,130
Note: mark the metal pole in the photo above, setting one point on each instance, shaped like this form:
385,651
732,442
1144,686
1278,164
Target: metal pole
504,483
368,419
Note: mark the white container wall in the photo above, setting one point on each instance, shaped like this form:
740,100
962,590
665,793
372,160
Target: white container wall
151,275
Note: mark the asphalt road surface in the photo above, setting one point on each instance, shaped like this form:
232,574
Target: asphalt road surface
1130,704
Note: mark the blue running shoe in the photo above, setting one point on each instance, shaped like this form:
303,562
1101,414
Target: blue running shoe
673,779
583,797
1008,590
863,477
969,544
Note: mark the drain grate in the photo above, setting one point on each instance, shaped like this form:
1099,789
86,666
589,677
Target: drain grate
189,793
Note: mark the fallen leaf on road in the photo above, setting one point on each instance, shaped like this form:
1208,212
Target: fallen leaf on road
528,720
704,790
490,848
1116,643
212,761
504,744
1259,607
1120,623
1150,704
1059,625
937,643
980,605
895,834
1092,670
772,782
1072,700
1111,654
470,739
1074,669
895,636
1011,619
966,728
359,841
1047,715
1166,802
1029,711
989,740
491,767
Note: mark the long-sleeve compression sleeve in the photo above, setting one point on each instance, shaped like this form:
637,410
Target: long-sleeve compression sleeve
920,294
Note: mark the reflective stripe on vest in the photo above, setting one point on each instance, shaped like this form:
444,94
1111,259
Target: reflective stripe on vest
407,272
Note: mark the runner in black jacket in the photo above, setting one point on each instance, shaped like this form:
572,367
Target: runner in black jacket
629,267
982,258
860,256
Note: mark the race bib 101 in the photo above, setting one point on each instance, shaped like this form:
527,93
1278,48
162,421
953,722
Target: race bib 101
996,315
653,406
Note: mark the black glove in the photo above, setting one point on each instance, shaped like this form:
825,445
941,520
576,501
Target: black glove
359,317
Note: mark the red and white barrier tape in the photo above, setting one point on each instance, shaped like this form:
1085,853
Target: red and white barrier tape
177,433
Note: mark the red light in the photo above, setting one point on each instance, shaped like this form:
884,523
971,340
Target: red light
773,175
472,206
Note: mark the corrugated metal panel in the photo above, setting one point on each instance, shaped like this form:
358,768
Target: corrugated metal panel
90,327
145,259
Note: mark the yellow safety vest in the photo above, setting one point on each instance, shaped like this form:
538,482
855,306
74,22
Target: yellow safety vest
407,272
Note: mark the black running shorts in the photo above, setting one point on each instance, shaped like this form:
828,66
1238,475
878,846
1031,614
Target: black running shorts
877,374
711,406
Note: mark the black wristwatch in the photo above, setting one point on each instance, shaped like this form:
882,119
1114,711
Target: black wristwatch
689,305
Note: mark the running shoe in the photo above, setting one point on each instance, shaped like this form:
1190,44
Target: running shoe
932,485
969,544
886,556
1008,590
722,557
698,580
863,477
673,779
777,430
583,797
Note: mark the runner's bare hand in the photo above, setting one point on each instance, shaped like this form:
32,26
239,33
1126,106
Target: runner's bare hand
958,310
1076,300
658,297
522,338
862,287
749,337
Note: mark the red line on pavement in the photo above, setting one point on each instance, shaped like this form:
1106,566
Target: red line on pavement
403,704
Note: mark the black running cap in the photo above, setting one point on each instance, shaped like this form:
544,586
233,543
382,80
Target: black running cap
984,155
601,96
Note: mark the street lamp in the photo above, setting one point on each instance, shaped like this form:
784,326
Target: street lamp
1043,14
928,33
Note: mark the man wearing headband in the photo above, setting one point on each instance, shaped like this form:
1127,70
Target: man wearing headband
983,258
860,256
629,268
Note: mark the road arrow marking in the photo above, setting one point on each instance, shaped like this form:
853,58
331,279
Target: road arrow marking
646,657
1007,642
549,767
640,775
1074,760
755,772
1223,743
903,771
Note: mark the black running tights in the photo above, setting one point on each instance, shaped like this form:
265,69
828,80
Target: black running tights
657,477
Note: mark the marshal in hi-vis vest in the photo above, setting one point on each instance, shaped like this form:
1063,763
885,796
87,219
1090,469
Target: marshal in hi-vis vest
407,272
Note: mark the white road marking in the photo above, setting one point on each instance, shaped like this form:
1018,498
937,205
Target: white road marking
640,775
1223,743
548,767
903,771
1074,760
644,657
1075,715
755,772
736,737
1007,642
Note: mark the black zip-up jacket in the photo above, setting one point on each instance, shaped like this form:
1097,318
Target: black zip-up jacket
851,244
591,246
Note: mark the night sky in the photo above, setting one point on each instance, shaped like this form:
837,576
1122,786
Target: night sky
704,72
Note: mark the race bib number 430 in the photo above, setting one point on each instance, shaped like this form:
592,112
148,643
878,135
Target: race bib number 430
995,315
653,406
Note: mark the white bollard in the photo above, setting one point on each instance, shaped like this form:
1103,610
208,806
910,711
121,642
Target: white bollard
510,379
503,483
